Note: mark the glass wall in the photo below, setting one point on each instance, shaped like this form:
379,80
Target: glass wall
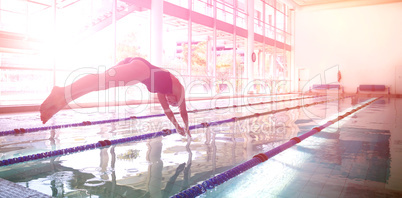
46,43
241,14
269,21
241,73
224,63
224,10
205,7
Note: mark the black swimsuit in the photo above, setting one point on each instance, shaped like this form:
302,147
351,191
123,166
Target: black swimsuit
159,80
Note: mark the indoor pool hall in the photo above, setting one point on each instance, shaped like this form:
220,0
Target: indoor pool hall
200,98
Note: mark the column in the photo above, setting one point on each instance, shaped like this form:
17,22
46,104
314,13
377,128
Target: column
234,45
293,77
250,41
114,20
156,32
189,40
214,40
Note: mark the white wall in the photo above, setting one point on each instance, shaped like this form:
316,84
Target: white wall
365,41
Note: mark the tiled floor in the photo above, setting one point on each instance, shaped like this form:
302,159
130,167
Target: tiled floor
360,156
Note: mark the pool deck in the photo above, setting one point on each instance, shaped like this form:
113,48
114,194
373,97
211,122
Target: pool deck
5,109
10,189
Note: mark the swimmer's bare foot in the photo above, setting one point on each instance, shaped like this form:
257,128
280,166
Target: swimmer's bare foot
53,104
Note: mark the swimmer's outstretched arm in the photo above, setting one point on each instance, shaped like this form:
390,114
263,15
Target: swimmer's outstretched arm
184,116
169,114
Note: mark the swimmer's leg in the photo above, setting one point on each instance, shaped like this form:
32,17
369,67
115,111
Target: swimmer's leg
53,104
119,75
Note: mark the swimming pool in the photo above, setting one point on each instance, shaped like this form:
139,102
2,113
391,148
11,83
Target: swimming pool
340,161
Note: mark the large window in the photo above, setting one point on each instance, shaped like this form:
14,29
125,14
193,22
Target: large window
204,7
224,9
46,43
224,63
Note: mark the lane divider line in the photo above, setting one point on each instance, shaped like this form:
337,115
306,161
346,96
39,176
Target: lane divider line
164,132
211,183
87,123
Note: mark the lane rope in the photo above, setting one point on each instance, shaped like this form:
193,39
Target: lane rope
164,132
87,123
215,181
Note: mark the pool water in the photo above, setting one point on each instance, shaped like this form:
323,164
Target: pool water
360,155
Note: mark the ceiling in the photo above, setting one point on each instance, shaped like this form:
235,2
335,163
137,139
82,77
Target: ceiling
316,2
337,3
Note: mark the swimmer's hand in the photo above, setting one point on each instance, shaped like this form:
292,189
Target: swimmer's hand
182,131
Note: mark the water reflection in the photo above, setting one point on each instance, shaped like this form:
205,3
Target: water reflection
163,166
221,145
